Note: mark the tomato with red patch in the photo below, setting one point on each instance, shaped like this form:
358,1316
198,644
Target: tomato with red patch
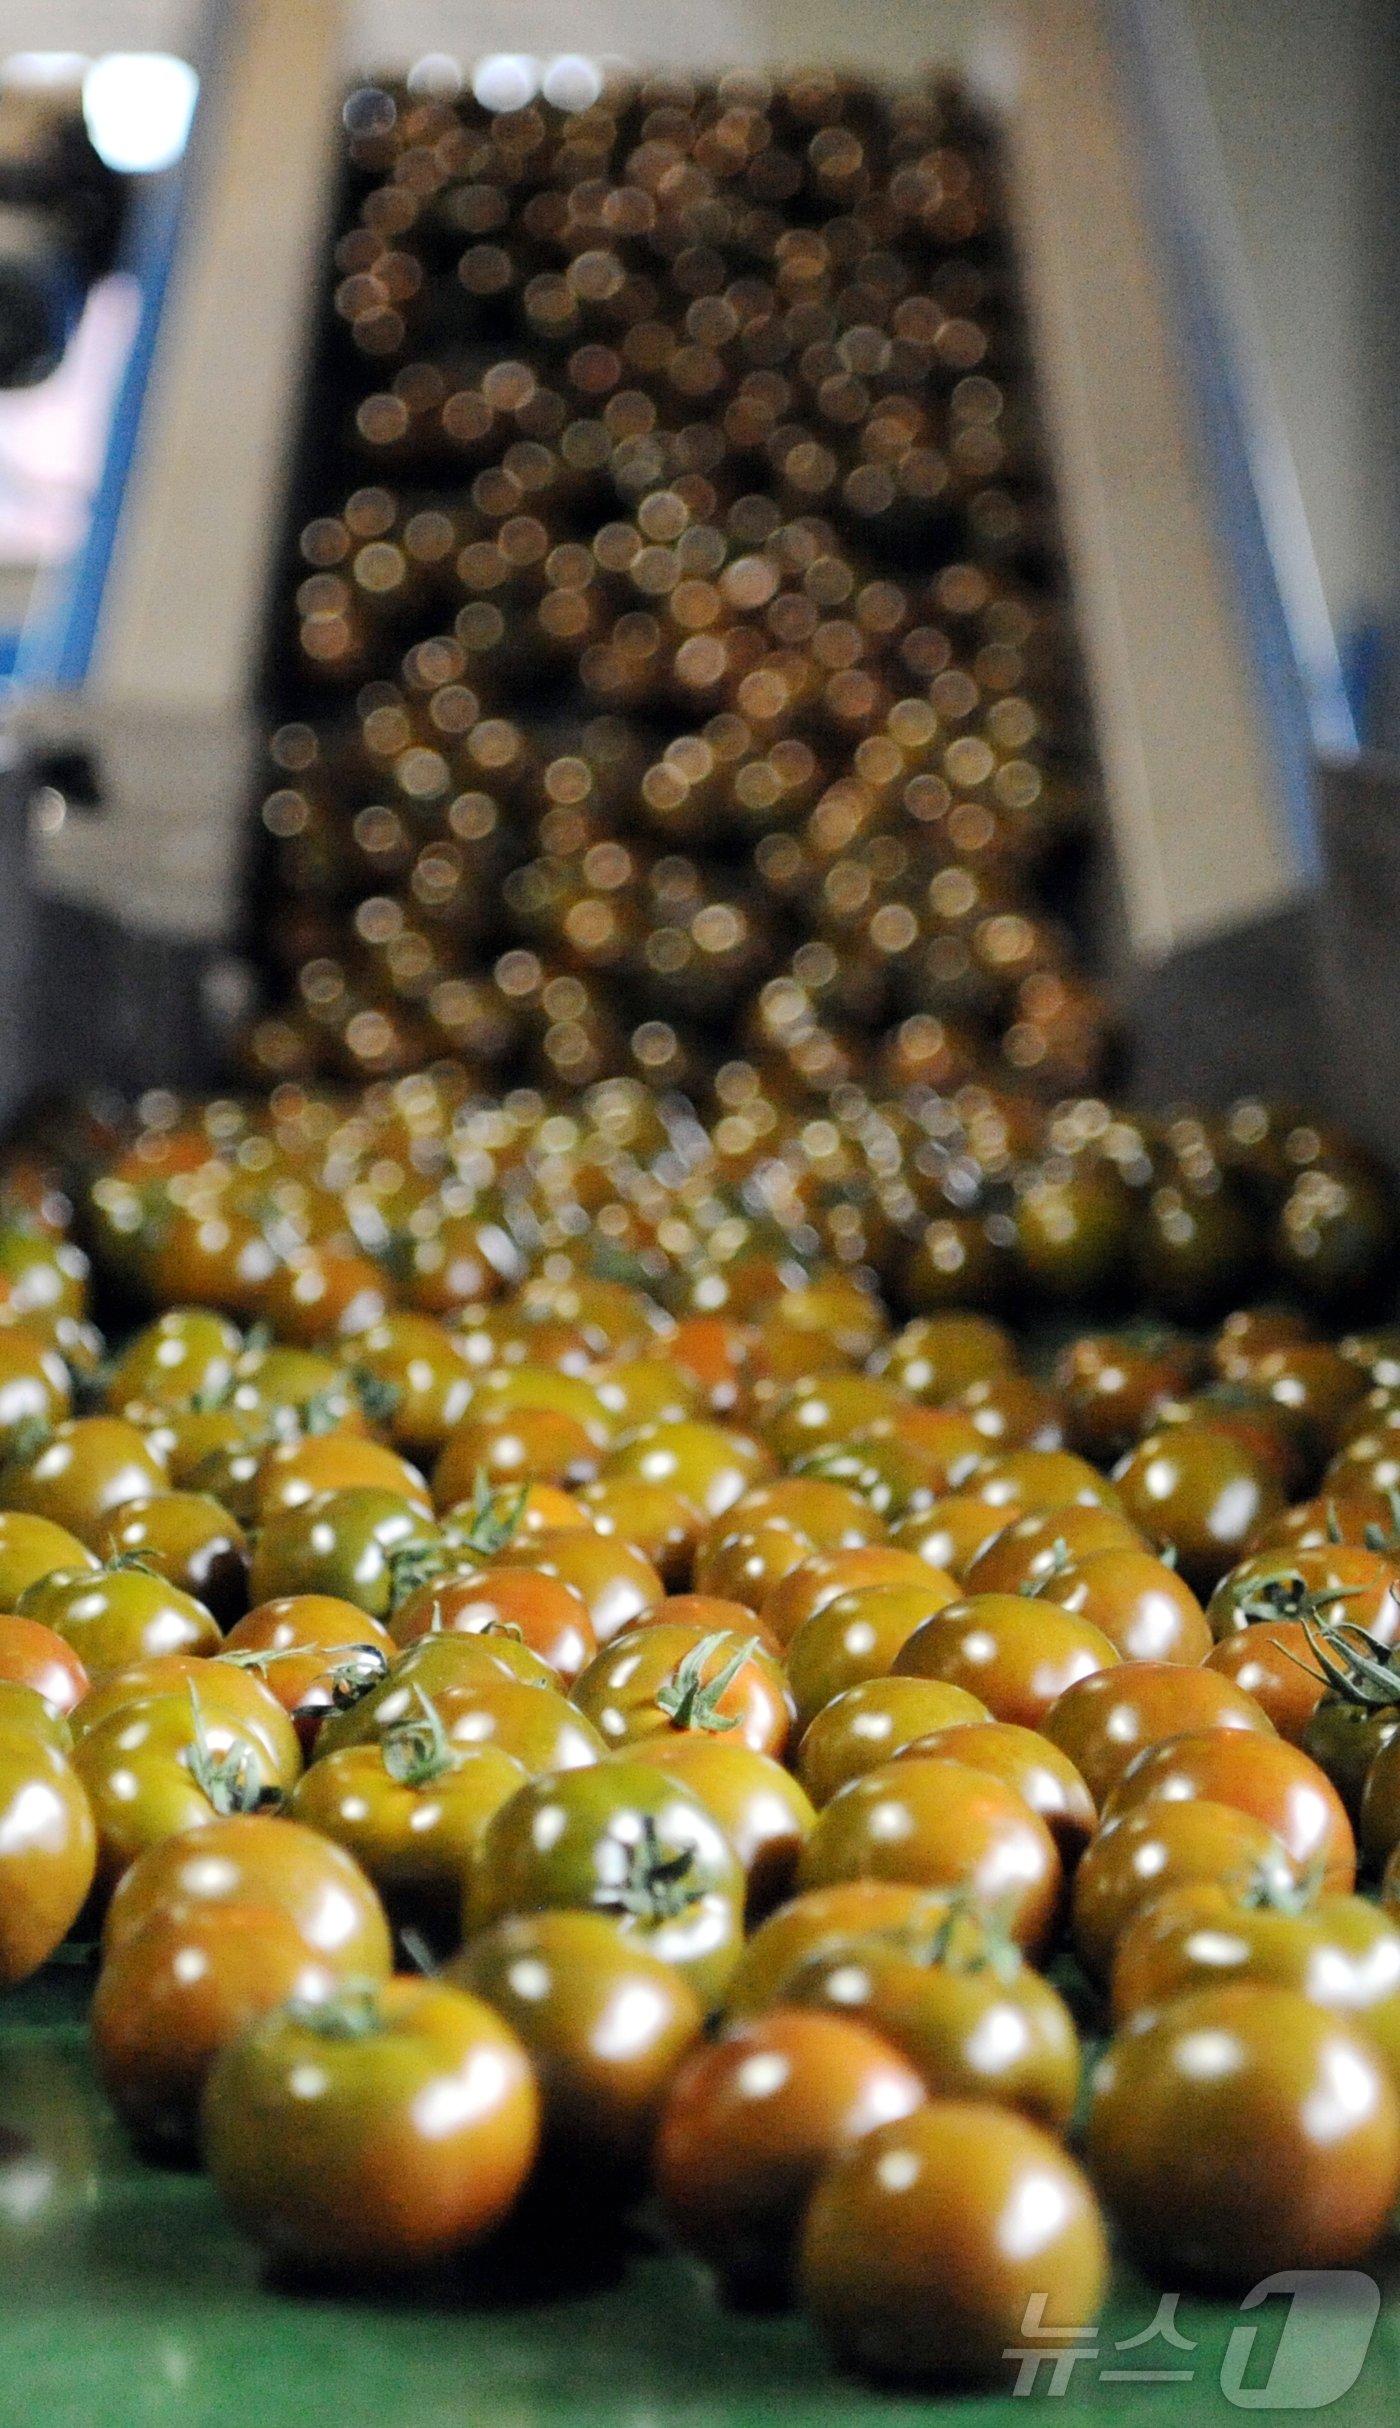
1033,1548
1194,1488
547,1615
822,1575
258,1860
1274,1664
1042,1776
1103,1722
618,1585
1147,1611
34,1655
48,1850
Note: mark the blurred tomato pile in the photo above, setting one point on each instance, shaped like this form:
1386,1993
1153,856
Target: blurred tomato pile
537,1673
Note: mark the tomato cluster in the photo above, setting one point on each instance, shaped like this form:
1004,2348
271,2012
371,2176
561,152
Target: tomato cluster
705,1738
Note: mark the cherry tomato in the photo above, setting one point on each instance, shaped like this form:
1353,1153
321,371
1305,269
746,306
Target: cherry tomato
35,1388
24,1712
1259,1775
292,1473
1013,1412
664,1677
176,1992
412,1810
857,1636
711,1466
1104,1721
972,2018
821,1575
312,1651
657,1519
1141,1855
617,1584
1380,1806
937,1356
941,1825
165,1765
752,2123
824,1408
188,1354
415,1372
342,1544
763,1812
48,1851
1273,1663
1194,1488
191,1541
1044,1777
33,1655
1031,1549
915,2260
815,1919
1039,1482
605,2023
1253,2069
33,1547
1328,1518
258,1860
625,1839
382,2130
1333,1582
1111,1387
88,1466
1017,1654
235,1694
116,1615
1340,1952
951,1533
1147,1612
869,1724
547,1615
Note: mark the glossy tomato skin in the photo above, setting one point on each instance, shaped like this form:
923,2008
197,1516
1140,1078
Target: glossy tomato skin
48,1851
190,1540
33,1655
85,1470
1016,1653
416,1841
1259,2070
33,1547
1033,1548
235,1694
605,2023
910,2261
753,2121
259,1860
657,1519
414,2142
117,1616
548,1615
291,1645
25,1713
869,1724
175,1993
1273,1663
817,1918
292,1473
973,2022
764,1813
1042,1776
481,1697
822,1575
140,1768
857,1636
1340,1952
617,1583
941,1825
623,1839
652,1682
1147,1611
1259,1775
341,1544
1193,1487
1333,1582
1144,1854
1104,1721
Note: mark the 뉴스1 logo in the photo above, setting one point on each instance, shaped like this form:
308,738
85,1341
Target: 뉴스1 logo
1319,2356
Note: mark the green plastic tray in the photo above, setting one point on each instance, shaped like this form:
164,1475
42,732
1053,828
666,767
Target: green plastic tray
126,2301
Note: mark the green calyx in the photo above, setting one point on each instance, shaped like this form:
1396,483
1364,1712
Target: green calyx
1061,1558
354,2013
496,1516
1386,1540
1358,1668
230,1781
26,1440
377,1396
417,1750
690,1699
653,1884
1288,1596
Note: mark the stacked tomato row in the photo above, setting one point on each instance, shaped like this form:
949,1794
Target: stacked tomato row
763,1739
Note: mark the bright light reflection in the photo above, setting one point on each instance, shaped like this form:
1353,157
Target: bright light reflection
506,80
138,107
